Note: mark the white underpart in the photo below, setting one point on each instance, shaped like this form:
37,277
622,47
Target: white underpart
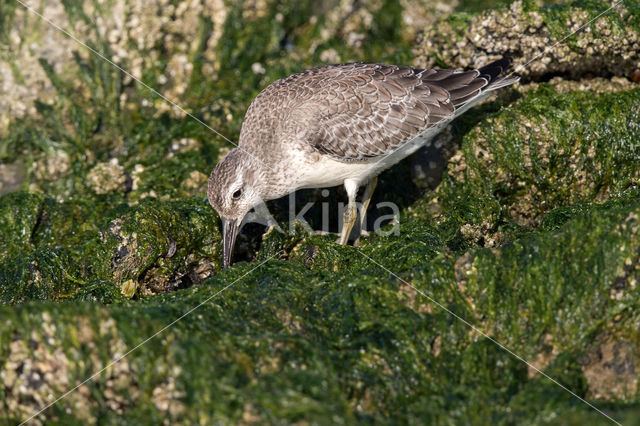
329,172
351,185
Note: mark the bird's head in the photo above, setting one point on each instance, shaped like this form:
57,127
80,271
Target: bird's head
235,187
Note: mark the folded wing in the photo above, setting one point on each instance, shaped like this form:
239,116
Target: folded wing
365,111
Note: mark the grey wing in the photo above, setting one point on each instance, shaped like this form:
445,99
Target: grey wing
369,110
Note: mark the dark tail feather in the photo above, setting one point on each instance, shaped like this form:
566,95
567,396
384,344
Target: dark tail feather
487,79
492,71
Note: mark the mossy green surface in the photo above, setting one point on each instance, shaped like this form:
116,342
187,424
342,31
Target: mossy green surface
19,215
152,246
543,151
286,343
532,238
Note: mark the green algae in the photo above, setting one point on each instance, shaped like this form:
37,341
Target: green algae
151,246
19,216
284,343
542,152
43,275
319,333
68,223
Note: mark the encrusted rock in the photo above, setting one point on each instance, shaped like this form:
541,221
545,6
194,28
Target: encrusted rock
105,178
483,235
611,369
52,166
418,14
593,85
196,182
609,46
11,177
136,32
547,149
37,369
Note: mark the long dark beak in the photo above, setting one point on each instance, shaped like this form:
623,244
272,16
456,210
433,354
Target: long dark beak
229,233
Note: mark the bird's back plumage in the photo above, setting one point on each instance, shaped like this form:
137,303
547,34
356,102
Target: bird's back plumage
361,111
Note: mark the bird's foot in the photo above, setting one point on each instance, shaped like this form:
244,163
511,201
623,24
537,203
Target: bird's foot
323,233
363,233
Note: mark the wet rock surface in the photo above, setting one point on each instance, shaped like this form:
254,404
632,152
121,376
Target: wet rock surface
11,177
531,35
539,154
523,221
57,251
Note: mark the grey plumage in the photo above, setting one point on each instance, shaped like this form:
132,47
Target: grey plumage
359,111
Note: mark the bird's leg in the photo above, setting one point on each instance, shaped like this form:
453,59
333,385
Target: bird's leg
366,199
351,213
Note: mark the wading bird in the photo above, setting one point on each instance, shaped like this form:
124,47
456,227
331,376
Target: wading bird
338,125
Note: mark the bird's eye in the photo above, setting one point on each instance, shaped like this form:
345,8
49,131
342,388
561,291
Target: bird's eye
237,194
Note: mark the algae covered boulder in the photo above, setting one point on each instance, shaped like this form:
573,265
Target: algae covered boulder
543,151
64,250
515,250
159,247
285,343
19,215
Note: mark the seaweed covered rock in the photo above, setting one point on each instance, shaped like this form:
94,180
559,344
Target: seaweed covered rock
158,247
529,233
59,250
178,47
543,151
603,245
549,145
531,35
69,118
132,33
19,216
46,274
359,344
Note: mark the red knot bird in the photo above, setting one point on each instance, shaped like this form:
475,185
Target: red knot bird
338,125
